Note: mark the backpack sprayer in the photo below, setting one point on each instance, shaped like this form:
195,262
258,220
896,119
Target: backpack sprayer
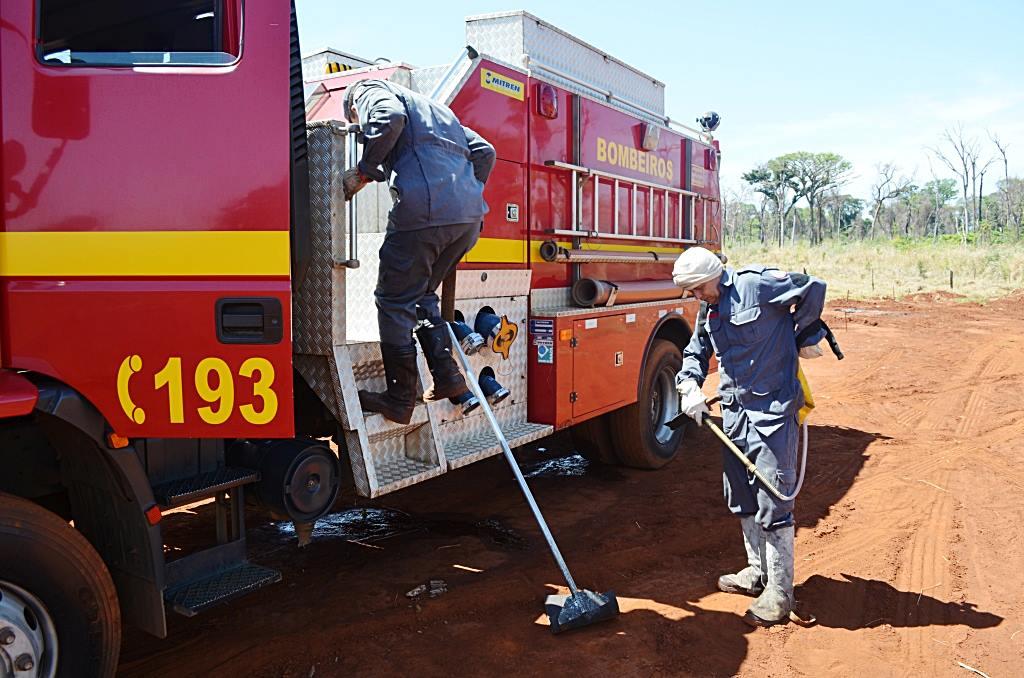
812,328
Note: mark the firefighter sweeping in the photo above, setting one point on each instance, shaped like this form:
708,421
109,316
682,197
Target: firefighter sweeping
759,321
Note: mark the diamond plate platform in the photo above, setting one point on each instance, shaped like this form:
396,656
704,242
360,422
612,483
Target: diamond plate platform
192,598
187,490
483,445
396,472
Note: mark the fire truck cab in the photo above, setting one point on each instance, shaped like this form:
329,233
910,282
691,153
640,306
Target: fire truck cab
186,299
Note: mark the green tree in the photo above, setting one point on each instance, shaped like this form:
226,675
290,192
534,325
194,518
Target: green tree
775,180
843,212
816,174
937,194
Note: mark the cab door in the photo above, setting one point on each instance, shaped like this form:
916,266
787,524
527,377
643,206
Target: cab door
144,251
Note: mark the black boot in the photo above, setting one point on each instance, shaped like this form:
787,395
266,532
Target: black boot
436,343
398,402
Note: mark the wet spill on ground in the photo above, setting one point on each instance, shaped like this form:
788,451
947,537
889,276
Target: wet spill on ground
368,525
572,465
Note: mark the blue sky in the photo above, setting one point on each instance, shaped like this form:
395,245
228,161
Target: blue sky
873,81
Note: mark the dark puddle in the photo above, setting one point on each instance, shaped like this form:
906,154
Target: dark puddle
368,525
557,467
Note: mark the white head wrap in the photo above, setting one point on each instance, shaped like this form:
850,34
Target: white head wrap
696,266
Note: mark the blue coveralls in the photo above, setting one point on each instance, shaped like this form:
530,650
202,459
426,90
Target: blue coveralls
752,331
436,169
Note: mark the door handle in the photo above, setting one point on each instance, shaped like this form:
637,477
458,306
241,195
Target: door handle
249,320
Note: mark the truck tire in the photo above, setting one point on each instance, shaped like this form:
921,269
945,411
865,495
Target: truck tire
638,431
55,592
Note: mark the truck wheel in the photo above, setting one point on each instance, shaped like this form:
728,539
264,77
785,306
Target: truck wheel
58,606
641,438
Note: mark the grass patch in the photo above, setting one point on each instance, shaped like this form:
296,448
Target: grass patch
864,270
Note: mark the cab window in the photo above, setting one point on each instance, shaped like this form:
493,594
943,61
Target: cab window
139,32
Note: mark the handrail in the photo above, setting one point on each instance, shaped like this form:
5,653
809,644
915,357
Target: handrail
580,173
352,159
568,232
587,171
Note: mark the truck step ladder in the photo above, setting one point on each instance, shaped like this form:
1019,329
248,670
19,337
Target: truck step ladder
482,445
220,573
191,598
180,492
337,345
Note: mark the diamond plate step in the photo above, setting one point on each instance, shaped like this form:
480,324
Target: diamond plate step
187,490
380,428
461,452
192,598
394,473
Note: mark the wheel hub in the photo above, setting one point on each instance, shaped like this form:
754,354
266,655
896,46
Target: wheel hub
664,406
28,637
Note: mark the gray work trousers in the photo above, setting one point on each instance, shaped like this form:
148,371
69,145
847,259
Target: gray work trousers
412,266
770,441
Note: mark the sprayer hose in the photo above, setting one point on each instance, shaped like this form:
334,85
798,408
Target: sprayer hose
757,473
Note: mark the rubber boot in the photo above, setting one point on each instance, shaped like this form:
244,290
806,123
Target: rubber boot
749,580
402,376
436,344
776,602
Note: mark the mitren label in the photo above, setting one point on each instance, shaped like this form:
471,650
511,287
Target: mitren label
590,323
502,84
631,317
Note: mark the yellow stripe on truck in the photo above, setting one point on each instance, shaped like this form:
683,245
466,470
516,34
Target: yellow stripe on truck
144,253
204,253
511,251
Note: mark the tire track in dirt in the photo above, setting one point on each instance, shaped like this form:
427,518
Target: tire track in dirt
911,415
988,369
924,571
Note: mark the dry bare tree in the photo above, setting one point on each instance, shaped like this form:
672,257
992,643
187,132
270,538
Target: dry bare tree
1001,147
888,187
961,160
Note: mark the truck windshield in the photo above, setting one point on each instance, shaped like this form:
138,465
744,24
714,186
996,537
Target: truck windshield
139,33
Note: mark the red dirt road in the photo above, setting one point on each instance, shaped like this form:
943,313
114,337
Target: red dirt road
909,546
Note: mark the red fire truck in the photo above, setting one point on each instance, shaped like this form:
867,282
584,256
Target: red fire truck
186,308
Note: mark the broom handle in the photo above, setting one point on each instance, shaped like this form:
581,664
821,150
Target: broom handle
486,407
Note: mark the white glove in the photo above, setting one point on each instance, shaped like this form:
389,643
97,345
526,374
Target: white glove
353,181
692,401
808,352
686,387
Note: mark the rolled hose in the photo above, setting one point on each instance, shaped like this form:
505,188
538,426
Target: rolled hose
589,292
